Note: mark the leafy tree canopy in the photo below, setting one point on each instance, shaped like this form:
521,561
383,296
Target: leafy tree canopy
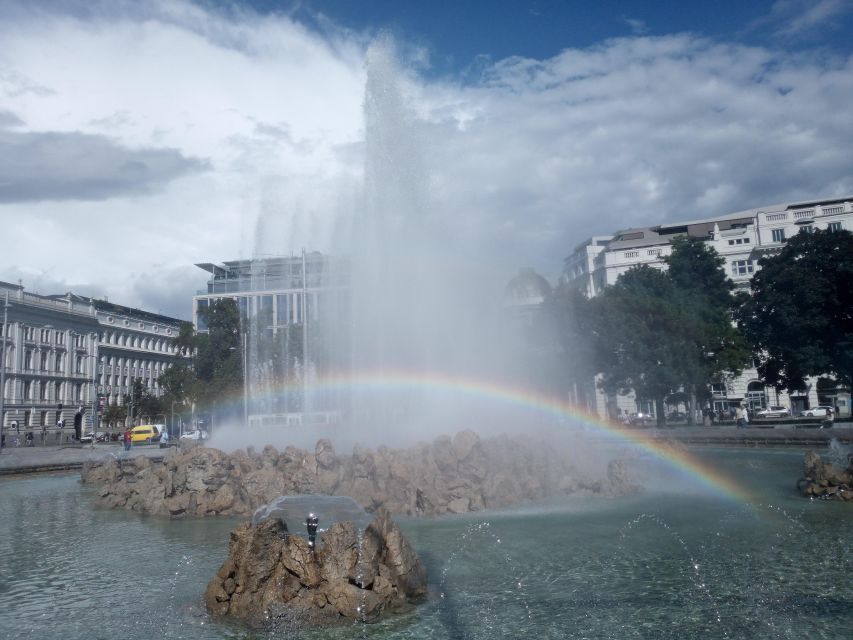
800,314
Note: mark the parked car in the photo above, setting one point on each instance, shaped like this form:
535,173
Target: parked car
821,411
144,433
87,437
195,435
774,411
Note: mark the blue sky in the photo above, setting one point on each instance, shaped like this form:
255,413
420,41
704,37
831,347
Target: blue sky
458,33
169,132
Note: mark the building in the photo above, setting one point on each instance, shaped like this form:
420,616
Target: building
285,303
63,351
741,238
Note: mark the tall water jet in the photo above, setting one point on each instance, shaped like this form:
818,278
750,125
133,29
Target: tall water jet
395,303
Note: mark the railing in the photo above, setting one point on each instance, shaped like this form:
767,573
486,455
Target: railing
831,211
802,215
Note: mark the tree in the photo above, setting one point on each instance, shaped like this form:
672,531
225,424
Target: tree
638,336
666,333
800,314
114,414
217,359
715,346
568,313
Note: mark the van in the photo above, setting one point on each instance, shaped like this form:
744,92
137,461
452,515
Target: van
144,433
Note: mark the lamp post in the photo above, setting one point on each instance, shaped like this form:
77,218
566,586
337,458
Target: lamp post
3,371
94,389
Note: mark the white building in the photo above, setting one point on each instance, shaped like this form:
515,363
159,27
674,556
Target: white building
741,239
67,349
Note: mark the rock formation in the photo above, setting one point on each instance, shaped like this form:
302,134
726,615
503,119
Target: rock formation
272,576
450,475
826,481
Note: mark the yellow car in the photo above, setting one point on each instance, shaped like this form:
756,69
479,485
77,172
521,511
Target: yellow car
144,433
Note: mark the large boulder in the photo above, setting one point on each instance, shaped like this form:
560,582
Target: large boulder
825,480
273,576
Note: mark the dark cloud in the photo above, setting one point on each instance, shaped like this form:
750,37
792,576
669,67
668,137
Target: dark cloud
168,290
78,166
9,119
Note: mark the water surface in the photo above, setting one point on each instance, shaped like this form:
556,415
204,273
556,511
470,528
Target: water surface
673,562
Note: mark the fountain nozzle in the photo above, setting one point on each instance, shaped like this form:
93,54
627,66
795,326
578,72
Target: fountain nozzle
311,523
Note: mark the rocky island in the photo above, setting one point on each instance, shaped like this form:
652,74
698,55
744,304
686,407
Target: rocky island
273,576
450,475
826,481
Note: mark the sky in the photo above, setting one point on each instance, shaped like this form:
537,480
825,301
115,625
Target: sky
140,138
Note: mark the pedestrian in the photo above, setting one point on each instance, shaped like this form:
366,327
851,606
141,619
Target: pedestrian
128,439
745,414
739,416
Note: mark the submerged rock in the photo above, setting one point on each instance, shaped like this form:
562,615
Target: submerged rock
826,481
273,576
449,476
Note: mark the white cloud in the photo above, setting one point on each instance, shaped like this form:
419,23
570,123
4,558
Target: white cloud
519,166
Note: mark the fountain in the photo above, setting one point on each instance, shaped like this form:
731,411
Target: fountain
355,574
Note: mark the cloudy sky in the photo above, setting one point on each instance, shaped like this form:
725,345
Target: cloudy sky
139,138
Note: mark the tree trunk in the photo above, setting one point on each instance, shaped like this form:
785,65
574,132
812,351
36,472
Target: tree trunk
660,412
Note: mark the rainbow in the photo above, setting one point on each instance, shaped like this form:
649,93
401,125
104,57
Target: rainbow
392,381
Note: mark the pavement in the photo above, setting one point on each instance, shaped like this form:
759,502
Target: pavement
72,456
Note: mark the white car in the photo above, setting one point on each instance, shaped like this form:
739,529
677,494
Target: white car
195,435
821,411
774,411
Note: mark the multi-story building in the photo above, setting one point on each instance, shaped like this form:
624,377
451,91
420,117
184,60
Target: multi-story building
282,300
280,288
741,239
62,351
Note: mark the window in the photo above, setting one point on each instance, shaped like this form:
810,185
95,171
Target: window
43,391
718,389
806,228
739,241
741,267
778,235
834,226
28,390
44,361
28,359
45,335
29,333
60,337
78,366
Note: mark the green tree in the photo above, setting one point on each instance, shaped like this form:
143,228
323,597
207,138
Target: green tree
714,345
114,414
570,314
638,336
800,314
667,334
217,358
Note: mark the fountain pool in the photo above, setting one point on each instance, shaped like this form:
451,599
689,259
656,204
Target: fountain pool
657,565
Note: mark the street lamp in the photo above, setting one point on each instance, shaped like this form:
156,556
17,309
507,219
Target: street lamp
3,372
94,389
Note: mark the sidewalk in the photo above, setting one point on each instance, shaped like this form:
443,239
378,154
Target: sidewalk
57,458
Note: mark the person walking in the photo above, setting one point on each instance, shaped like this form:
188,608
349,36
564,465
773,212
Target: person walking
739,416
128,439
745,415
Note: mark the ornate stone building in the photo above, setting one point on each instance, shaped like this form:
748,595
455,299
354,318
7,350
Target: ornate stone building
62,351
